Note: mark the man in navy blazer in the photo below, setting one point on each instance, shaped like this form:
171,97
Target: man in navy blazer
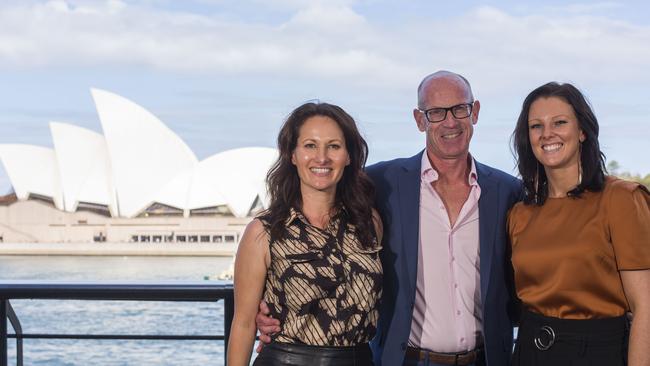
446,113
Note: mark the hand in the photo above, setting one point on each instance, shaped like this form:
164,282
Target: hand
265,325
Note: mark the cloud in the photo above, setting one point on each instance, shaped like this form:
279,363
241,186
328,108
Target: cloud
317,39
287,4
326,18
506,50
582,8
326,40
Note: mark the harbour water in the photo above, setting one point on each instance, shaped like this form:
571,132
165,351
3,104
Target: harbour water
116,317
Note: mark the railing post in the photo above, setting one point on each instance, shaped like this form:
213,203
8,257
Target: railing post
228,313
18,329
3,333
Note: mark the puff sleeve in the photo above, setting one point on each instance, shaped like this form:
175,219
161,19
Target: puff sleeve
629,224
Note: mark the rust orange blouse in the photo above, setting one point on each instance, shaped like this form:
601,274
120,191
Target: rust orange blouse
567,253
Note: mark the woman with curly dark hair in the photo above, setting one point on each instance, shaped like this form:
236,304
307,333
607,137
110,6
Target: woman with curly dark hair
580,241
312,256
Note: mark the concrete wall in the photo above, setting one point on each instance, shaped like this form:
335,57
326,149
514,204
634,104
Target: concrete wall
34,221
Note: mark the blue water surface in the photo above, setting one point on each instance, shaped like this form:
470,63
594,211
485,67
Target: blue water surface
116,317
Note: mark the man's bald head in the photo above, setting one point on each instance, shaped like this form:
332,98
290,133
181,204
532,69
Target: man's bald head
448,76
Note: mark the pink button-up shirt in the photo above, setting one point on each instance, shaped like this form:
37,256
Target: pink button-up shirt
447,315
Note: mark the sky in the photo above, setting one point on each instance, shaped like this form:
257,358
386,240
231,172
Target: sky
224,74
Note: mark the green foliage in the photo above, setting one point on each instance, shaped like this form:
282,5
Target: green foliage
613,169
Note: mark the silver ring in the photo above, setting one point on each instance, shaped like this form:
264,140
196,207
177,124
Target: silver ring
539,343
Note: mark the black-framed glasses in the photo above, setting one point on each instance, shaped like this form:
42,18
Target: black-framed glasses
439,114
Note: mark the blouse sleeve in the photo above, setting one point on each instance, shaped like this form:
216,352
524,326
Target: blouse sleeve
629,220
518,217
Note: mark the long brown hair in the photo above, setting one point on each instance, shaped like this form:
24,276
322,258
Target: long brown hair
355,191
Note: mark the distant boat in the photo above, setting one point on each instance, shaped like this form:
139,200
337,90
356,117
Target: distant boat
226,275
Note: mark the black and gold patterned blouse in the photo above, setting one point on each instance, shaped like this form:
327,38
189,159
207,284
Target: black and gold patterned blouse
322,285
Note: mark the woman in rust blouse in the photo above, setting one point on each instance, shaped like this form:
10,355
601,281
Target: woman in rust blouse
580,241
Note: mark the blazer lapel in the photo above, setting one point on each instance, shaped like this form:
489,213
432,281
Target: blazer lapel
487,206
409,194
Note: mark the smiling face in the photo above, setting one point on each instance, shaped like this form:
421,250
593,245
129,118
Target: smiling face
554,133
448,139
320,155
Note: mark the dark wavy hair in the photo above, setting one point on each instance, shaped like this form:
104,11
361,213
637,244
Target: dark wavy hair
355,192
592,160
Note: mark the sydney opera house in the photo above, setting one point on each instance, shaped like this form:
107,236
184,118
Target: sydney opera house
138,182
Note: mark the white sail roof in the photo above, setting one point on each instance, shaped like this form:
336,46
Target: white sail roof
238,175
82,157
32,170
145,155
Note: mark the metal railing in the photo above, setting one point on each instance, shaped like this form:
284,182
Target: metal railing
137,291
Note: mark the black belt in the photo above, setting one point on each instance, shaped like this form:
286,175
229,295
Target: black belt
543,332
286,354
460,359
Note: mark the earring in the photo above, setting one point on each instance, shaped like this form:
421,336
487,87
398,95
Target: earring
579,163
537,183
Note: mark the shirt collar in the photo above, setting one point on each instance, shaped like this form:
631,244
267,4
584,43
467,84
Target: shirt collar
429,175
295,214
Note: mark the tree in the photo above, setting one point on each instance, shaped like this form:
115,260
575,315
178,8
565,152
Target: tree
613,169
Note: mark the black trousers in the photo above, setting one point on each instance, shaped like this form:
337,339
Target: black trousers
285,354
543,341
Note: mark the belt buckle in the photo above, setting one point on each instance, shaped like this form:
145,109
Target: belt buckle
466,358
545,338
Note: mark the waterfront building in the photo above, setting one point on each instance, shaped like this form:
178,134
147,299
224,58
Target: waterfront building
138,182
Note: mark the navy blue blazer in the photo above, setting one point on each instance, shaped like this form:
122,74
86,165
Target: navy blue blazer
398,195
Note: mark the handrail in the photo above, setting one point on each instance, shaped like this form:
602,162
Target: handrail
203,291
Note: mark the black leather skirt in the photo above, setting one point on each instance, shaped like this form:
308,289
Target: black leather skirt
285,354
